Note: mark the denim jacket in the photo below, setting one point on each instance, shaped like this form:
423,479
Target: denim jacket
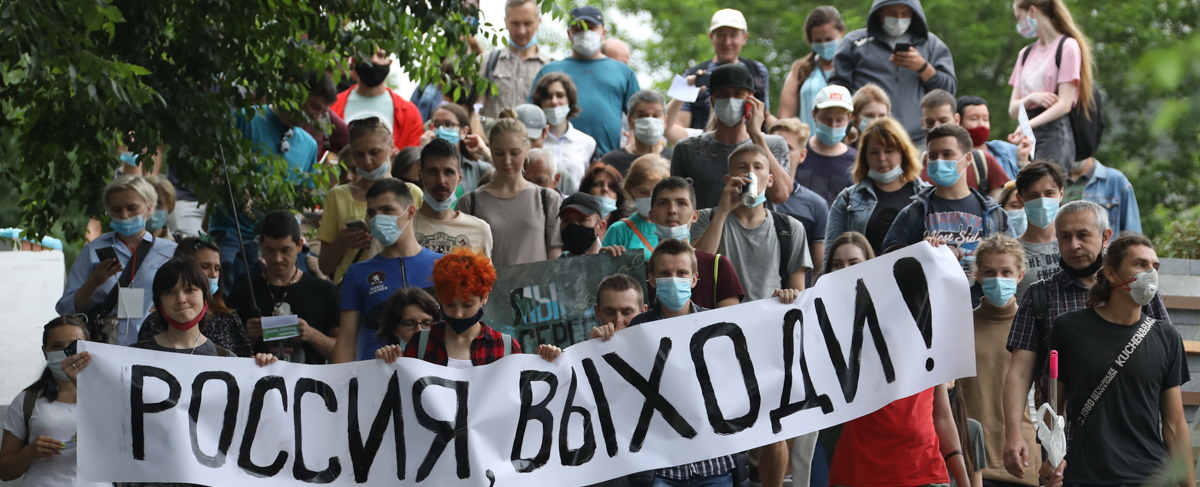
909,226
852,209
1111,189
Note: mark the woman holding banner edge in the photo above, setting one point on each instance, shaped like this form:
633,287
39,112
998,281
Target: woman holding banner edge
462,281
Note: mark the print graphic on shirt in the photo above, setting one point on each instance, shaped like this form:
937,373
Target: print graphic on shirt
376,281
441,242
960,229
1044,264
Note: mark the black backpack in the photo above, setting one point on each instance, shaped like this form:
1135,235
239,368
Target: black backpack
1087,122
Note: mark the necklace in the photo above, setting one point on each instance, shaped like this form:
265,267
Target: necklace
282,308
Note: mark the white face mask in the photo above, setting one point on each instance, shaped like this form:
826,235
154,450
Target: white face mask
648,130
729,110
1143,287
586,43
556,115
895,26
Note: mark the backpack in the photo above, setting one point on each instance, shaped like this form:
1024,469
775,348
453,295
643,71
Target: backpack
31,397
491,64
1087,123
783,232
1040,303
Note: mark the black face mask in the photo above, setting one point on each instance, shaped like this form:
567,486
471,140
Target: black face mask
371,74
1088,271
460,325
577,239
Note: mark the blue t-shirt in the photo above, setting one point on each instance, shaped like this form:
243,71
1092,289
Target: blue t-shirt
826,175
810,208
604,86
368,284
266,131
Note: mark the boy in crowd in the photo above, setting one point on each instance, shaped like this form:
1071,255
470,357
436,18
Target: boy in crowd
673,211
768,249
950,212
1040,187
401,263
282,290
828,158
618,300
804,204
939,107
438,226
974,116
999,265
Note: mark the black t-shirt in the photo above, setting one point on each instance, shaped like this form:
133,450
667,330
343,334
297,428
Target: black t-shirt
206,349
1121,440
312,299
887,206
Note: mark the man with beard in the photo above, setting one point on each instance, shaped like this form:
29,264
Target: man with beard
438,226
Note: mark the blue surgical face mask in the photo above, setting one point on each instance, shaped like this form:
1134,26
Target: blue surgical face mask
378,173
944,172
885,177
643,206
1019,223
673,292
386,229
214,285
128,227
1027,26
532,42
826,50
54,363
760,199
157,220
1042,211
862,125
999,290
679,232
440,206
830,135
447,134
129,158
607,205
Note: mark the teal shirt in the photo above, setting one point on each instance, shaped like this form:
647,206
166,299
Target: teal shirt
621,234
816,81
604,86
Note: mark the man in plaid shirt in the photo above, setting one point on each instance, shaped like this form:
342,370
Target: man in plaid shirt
1083,231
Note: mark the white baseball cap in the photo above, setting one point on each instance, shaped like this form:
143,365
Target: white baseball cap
834,96
727,17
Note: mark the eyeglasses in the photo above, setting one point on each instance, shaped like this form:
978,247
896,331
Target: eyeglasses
444,124
284,145
410,324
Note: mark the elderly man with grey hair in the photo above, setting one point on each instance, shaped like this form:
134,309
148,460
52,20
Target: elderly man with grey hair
647,118
542,170
1083,234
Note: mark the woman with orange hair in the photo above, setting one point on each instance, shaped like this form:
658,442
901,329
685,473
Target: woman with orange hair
462,281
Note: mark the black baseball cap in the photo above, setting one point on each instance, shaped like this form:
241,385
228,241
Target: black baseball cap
731,75
581,202
588,13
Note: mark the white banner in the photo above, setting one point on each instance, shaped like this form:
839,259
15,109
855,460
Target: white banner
657,395
33,282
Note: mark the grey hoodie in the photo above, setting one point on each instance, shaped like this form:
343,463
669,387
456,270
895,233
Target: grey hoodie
863,59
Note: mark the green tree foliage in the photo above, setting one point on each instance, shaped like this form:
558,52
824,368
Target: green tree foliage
81,77
1139,66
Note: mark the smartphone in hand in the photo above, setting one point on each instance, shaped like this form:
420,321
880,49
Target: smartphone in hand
902,47
748,109
105,253
358,225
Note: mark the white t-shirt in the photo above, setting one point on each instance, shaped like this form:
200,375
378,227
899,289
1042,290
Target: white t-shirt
359,107
462,230
55,420
455,363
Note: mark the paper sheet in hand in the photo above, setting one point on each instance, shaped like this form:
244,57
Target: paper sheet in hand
682,91
280,327
1023,120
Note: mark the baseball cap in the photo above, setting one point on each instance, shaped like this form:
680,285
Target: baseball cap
581,202
588,13
731,75
727,17
834,96
534,119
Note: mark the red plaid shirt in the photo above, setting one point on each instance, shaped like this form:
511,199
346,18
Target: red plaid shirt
486,348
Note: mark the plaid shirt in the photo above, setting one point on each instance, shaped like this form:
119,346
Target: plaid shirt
486,348
703,468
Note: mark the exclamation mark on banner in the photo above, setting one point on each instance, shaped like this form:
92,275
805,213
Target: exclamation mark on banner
910,278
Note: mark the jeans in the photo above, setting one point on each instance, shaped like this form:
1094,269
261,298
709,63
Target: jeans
722,480
233,266
188,218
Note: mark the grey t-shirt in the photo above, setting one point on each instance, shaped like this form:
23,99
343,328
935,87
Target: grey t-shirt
524,227
1041,260
754,252
706,161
